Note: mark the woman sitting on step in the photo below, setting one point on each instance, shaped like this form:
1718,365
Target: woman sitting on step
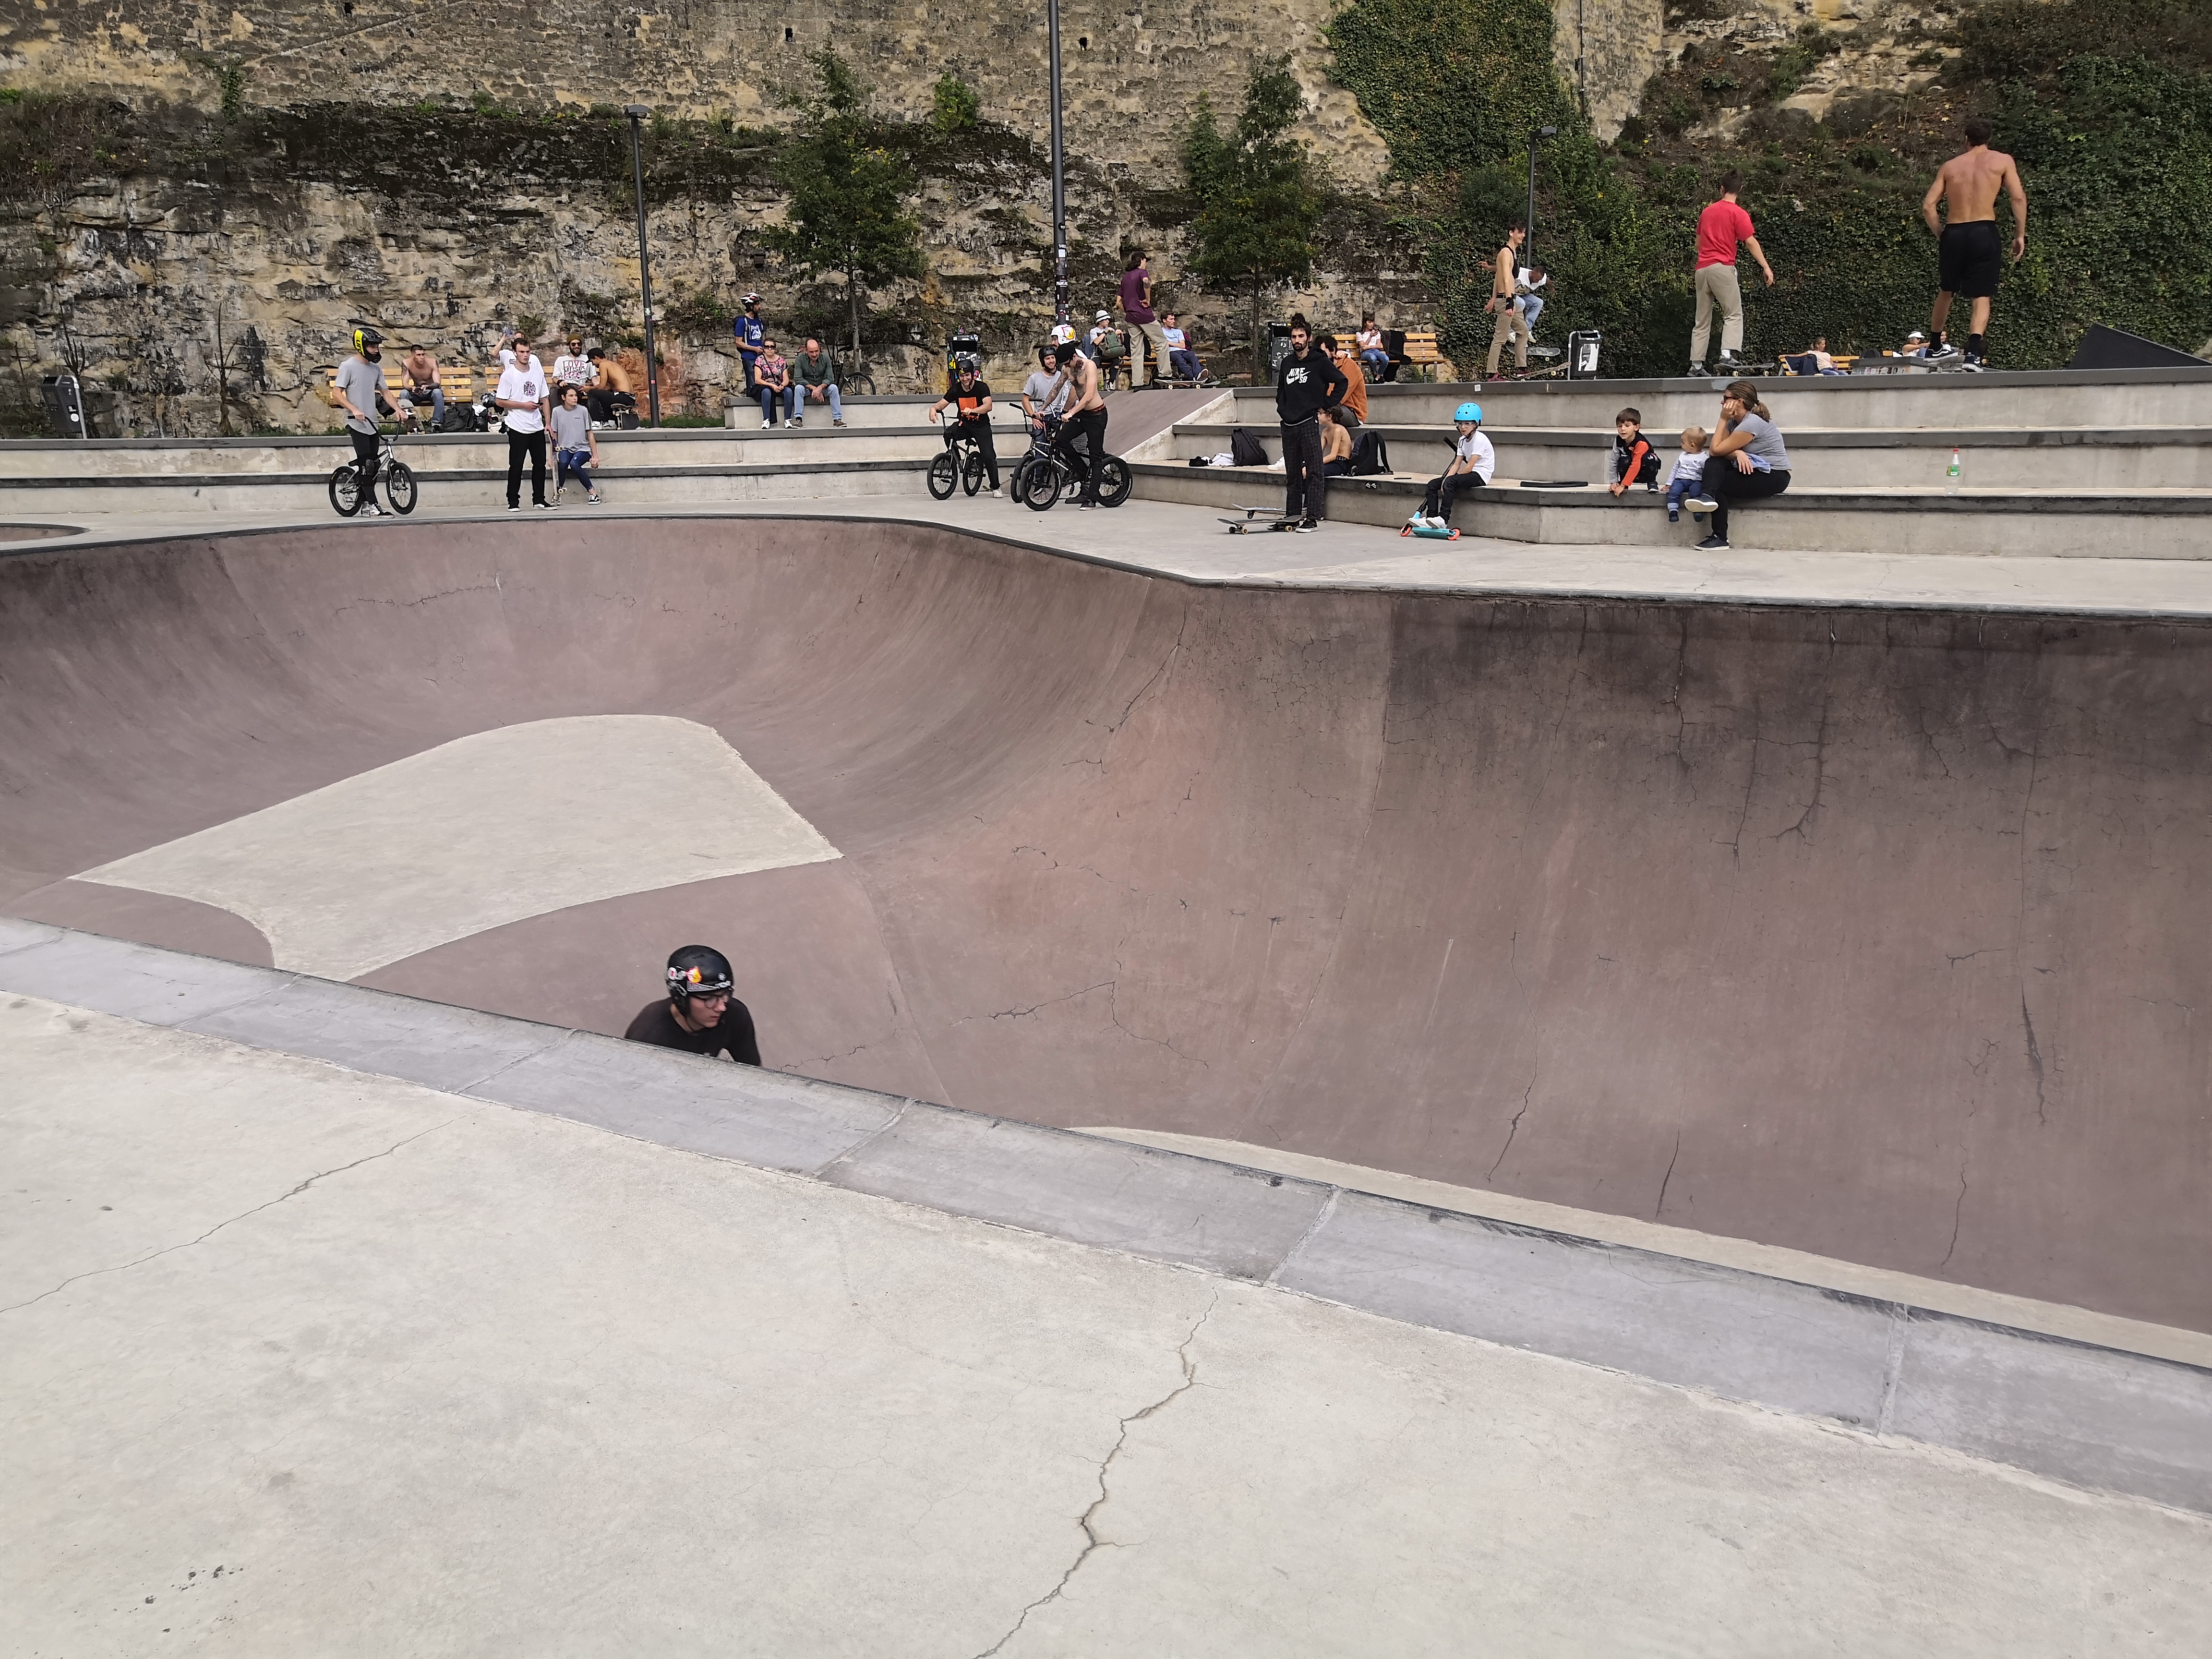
1746,462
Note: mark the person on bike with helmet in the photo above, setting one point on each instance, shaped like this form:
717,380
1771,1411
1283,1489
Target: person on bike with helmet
971,396
360,385
1474,464
1044,393
698,1015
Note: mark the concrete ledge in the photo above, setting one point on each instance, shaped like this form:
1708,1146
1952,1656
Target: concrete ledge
2096,1416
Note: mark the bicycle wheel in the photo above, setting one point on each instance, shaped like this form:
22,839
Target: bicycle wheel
345,490
1017,481
399,487
944,474
1046,478
971,472
856,383
1114,481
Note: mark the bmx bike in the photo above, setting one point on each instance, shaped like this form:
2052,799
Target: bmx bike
959,465
398,478
1042,477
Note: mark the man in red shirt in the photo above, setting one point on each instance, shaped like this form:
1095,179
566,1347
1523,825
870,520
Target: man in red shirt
1720,227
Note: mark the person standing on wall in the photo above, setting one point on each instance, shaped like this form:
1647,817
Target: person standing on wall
1504,273
522,395
1307,383
1136,303
1966,240
1720,227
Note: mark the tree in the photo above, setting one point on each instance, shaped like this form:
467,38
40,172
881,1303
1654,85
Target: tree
848,194
1255,191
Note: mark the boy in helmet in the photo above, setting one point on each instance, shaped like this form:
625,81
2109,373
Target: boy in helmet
360,384
699,1016
1474,464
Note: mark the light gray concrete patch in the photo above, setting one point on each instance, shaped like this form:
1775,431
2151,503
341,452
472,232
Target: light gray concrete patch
1114,1195
2089,1415
738,1112
1748,1338
132,981
366,1031
16,935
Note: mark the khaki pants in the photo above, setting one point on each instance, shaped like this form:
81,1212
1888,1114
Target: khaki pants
1717,286
1510,321
1157,334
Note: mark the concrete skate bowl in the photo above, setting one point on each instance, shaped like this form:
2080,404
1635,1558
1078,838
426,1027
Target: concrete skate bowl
1881,935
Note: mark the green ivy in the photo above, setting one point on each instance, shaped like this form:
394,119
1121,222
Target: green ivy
2116,151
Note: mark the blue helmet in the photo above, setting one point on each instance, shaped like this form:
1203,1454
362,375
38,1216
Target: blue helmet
1469,412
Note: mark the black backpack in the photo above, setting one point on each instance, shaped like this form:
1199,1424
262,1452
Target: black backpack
1370,455
1245,449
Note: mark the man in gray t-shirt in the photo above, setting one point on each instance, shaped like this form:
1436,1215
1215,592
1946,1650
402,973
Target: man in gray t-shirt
1044,393
360,384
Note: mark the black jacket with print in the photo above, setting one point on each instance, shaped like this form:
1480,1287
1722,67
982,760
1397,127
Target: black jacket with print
1308,384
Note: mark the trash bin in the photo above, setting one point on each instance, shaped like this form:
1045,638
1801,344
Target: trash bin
64,405
1279,347
1583,349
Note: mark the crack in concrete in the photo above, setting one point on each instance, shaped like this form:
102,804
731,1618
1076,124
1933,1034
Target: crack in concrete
2034,1060
1092,1540
1514,1128
167,1250
1958,1210
1667,1179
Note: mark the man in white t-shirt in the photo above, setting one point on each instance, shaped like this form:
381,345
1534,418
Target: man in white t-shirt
1474,464
522,396
572,367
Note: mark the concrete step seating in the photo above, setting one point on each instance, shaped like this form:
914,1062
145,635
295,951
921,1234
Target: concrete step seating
885,442
2099,465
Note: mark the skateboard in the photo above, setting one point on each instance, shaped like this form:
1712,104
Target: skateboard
1259,518
1448,533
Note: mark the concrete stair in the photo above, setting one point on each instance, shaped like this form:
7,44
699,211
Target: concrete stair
2116,466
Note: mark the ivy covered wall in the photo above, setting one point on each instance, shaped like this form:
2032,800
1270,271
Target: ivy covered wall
2106,103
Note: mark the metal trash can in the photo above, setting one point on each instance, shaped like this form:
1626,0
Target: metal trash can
1582,350
1279,347
64,405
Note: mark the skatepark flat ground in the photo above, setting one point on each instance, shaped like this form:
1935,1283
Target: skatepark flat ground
300,1359
1192,543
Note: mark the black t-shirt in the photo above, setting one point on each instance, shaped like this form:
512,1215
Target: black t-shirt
969,398
656,1023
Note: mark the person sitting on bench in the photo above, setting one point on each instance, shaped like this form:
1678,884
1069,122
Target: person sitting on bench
609,389
1182,362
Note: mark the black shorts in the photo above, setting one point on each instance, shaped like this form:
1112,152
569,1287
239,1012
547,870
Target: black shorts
1970,259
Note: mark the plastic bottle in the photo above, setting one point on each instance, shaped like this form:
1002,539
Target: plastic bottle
1952,474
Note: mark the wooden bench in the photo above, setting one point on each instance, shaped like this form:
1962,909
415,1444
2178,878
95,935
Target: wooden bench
1420,352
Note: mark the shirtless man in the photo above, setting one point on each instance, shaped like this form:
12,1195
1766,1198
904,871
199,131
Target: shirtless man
418,372
1086,420
611,378
1968,239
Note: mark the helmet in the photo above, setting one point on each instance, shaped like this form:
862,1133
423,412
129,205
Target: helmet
1469,412
367,339
1063,334
698,970
967,363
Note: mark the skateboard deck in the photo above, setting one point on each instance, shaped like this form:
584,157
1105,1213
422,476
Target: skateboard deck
1259,518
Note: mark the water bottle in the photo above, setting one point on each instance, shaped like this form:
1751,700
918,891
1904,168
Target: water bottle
1951,475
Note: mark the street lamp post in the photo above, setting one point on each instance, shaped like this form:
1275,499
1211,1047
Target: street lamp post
1059,177
637,112
1528,241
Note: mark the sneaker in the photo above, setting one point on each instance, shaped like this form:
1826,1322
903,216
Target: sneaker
514,507
763,425
593,498
372,510
1432,522
1728,359
1306,527
837,423
1713,545
1946,353
1652,486
1673,515
1973,364
998,494
1702,504
1697,372
545,506
798,420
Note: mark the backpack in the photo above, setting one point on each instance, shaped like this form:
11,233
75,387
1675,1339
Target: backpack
1370,455
1110,346
1245,449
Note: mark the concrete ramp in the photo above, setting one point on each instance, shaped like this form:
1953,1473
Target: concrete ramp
1879,936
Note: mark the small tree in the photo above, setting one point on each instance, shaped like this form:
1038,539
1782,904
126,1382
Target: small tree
1255,191
848,194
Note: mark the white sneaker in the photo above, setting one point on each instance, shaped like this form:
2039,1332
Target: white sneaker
372,510
998,494
763,425
1702,504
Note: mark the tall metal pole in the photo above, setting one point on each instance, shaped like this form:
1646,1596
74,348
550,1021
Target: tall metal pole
637,112
1058,177
1529,225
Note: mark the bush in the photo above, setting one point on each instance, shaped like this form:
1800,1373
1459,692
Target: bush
954,105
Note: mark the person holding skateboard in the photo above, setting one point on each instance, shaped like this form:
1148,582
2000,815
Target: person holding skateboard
1967,247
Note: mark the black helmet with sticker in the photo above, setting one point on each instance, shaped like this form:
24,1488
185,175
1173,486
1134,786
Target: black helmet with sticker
698,970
